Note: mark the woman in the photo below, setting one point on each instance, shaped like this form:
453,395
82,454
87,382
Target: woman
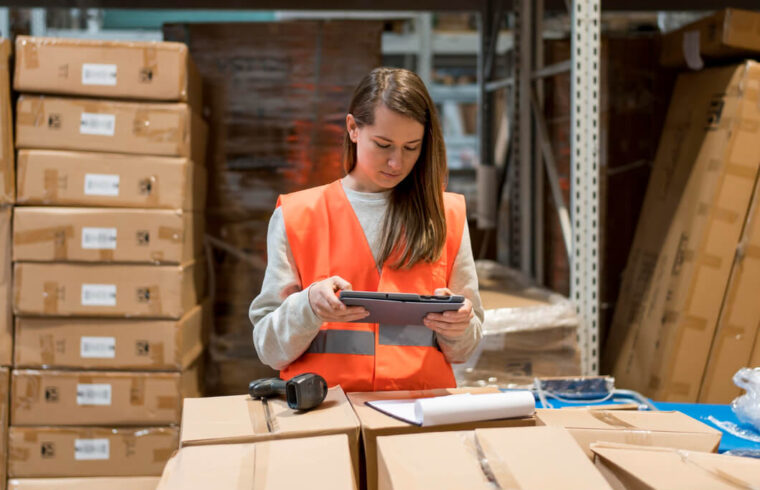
386,226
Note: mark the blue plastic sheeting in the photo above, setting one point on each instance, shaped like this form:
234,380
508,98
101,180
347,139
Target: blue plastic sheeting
722,413
155,18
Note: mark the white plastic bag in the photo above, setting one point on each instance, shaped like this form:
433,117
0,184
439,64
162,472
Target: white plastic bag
747,406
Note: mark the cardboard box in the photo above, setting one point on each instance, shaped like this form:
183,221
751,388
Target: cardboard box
239,419
70,178
110,126
105,290
516,457
84,451
5,385
375,424
149,345
119,69
45,234
312,462
91,483
729,33
6,288
739,318
694,211
7,173
667,429
67,398
629,466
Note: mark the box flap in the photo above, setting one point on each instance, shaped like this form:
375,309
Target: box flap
241,419
313,462
658,467
623,420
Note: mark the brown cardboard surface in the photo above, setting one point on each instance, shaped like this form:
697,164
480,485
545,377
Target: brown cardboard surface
239,419
740,317
138,291
120,69
50,397
517,457
160,345
6,288
375,424
729,33
110,126
91,483
64,451
45,234
7,166
71,178
5,384
312,462
630,466
693,215
667,429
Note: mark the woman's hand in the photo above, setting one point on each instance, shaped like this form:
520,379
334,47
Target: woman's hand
451,324
326,305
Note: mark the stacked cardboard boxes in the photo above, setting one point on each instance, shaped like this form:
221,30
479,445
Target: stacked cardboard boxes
108,275
689,317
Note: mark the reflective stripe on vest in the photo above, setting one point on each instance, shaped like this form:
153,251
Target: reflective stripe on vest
362,343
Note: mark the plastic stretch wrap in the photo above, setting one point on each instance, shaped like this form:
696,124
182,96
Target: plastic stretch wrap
528,331
747,406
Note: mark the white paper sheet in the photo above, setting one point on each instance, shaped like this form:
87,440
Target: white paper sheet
454,409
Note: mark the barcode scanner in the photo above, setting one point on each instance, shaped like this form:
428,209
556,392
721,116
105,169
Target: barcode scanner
303,392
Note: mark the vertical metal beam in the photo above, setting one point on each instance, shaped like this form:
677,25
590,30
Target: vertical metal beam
584,141
538,167
424,30
38,23
521,212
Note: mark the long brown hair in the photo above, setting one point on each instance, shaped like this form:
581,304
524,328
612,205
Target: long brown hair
414,227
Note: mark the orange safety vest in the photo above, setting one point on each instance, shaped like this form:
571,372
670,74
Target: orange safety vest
326,240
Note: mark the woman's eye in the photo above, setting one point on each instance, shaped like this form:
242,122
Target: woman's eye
411,149
382,146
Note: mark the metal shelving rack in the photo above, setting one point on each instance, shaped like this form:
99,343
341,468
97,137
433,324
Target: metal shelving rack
582,220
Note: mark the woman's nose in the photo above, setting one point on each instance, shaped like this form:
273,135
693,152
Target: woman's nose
395,160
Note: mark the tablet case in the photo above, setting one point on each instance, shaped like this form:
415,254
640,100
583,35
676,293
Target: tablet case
399,308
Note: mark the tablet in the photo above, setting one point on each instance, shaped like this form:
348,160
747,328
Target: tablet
399,308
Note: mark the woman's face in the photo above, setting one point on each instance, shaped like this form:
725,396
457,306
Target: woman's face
386,151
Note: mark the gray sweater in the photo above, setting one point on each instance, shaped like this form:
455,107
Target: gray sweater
283,322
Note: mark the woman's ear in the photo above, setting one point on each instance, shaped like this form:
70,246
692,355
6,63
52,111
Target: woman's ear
352,127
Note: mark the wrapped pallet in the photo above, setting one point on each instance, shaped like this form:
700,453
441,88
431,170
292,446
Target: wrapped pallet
528,331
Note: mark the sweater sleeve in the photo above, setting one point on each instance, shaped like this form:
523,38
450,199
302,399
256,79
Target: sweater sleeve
283,322
464,281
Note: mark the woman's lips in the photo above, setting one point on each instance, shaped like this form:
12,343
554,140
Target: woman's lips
389,174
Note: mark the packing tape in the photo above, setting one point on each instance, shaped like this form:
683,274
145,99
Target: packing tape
18,454
47,349
694,323
57,236
105,255
495,470
31,111
168,402
257,416
157,256
741,171
141,128
50,297
22,164
150,60
32,382
137,390
170,233
638,437
611,419
691,50
30,435
162,455
260,467
29,54
154,301
717,473
50,184
157,354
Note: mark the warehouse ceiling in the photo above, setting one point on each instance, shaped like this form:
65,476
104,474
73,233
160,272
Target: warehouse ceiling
432,5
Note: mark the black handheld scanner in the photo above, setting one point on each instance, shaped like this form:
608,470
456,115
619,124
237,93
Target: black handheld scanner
303,392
